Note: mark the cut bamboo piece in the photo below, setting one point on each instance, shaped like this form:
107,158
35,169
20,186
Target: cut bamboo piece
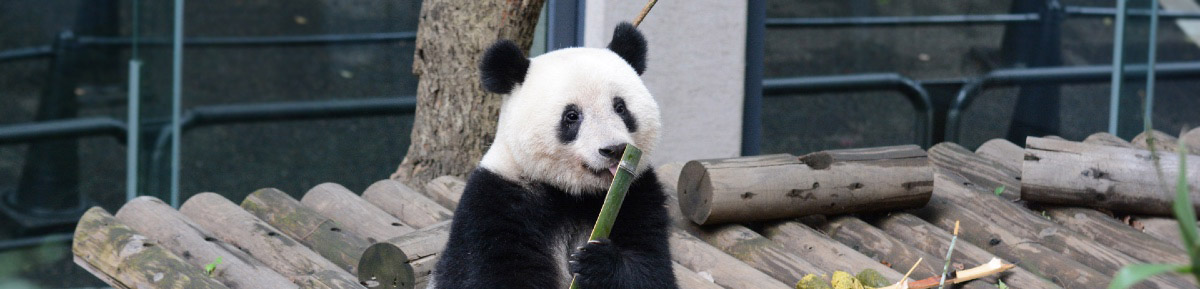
281,253
1118,179
874,242
196,245
1003,153
725,270
685,278
1162,141
1104,138
124,258
780,186
820,250
322,235
934,240
1109,232
406,204
980,171
997,221
354,213
446,190
406,261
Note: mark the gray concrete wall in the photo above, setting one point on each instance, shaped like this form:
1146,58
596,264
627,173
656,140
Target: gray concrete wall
695,70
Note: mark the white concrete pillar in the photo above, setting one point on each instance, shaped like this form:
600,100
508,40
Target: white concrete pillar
696,70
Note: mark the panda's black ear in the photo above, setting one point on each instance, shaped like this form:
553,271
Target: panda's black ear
503,67
629,43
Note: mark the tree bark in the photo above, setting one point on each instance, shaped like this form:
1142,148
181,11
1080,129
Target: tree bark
197,246
1118,179
456,118
125,258
354,213
781,186
406,204
321,234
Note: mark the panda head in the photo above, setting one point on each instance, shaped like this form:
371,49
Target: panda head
567,114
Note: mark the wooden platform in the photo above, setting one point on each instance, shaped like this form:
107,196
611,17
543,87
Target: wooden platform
391,234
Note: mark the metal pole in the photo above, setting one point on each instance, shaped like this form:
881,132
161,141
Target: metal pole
1118,65
756,13
1150,55
176,99
133,134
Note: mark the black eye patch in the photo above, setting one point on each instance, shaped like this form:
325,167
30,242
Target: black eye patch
568,125
626,115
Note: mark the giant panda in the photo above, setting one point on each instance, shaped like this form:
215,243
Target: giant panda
527,210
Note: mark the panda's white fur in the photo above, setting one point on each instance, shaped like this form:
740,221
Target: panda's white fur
525,213
526,147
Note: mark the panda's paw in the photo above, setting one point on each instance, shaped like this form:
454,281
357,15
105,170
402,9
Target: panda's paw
596,259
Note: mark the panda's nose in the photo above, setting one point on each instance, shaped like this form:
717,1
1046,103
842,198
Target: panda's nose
613,151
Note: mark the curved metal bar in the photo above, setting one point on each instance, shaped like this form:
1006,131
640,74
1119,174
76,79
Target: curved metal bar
822,22
913,91
1055,75
259,40
26,52
67,128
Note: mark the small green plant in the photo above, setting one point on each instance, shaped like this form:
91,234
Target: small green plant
208,269
999,191
1186,215
1001,285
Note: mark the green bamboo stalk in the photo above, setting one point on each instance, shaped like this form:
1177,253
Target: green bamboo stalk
616,195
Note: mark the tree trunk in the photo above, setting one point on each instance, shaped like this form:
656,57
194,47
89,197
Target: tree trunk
455,118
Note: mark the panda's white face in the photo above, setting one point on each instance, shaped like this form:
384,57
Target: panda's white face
565,123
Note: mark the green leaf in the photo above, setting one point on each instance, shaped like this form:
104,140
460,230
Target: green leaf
208,269
1183,207
999,190
1001,285
1132,274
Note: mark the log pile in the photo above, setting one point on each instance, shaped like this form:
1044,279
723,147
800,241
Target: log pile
1068,214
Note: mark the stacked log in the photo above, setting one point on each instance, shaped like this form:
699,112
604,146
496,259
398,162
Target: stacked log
1162,228
446,190
817,248
1192,140
406,204
279,252
780,186
874,242
355,214
124,258
1162,141
319,233
1119,179
197,246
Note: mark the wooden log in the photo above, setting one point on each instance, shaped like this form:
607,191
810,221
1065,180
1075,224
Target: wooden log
446,190
197,246
829,182
319,233
406,204
1117,179
1162,141
874,242
685,278
980,171
1192,140
760,252
1054,137
726,270
1104,138
355,214
701,257
820,250
996,221
935,241
406,261
1163,229
124,258
1109,232
281,253
1003,153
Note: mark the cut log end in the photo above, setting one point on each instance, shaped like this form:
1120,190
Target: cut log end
695,192
383,266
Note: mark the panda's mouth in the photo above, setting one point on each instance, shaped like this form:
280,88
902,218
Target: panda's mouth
611,171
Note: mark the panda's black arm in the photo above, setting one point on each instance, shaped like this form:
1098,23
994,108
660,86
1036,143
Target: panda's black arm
639,237
496,240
